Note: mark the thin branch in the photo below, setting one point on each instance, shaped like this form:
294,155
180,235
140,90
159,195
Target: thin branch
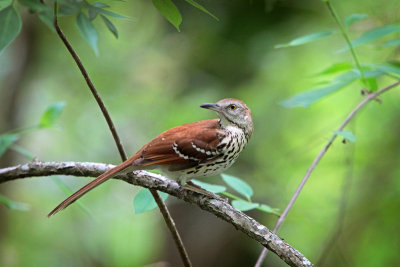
217,206
338,225
91,86
370,97
161,205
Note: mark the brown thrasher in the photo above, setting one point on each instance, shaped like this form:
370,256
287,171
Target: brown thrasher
197,149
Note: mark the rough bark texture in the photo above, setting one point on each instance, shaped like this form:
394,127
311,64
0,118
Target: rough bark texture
217,206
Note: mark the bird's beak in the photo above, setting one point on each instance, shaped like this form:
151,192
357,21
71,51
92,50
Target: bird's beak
211,106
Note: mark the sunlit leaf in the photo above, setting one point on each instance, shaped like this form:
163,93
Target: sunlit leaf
197,5
307,39
355,74
268,209
110,26
168,9
371,83
144,201
6,140
12,204
5,3
244,205
88,31
11,23
238,185
390,43
51,114
306,99
373,35
353,18
213,188
346,135
335,68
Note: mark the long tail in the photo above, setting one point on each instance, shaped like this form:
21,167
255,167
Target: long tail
99,180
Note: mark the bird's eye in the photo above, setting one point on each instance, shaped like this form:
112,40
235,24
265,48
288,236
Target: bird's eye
233,107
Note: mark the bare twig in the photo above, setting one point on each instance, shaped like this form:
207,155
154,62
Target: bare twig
161,205
217,206
338,225
370,97
92,88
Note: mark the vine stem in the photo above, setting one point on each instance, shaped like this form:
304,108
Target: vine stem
278,224
347,38
161,205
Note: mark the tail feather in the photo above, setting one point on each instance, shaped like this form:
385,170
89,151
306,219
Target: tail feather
99,180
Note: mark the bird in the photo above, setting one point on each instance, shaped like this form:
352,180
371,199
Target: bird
192,150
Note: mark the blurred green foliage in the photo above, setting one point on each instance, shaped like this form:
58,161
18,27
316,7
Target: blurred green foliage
153,78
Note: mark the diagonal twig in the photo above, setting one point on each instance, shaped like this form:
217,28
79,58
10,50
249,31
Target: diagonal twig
161,205
278,224
217,206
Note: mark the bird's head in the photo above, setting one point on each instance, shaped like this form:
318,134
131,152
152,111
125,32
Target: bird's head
232,112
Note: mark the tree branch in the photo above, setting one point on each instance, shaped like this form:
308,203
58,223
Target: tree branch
367,99
217,206
160,203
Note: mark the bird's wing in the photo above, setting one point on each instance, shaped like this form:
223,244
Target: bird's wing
186,145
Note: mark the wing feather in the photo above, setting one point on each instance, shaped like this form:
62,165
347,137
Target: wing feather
186,145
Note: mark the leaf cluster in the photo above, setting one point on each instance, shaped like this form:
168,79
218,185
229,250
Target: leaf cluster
144,201
342,74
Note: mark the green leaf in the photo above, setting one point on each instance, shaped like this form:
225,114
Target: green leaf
306,39
34,5
346,135
386,68
390,43
353,18
239,185
51,114
110,26
268,209
197,5
5,3
6,140
169,11
213,188
67,191
12,205
144,201
244,205
335,68
23,152
373,35
371,83
100,5
92,13
47,17
88,31
107,12
70,9
11,23
306,99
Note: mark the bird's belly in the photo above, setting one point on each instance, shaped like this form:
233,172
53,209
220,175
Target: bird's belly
208,169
